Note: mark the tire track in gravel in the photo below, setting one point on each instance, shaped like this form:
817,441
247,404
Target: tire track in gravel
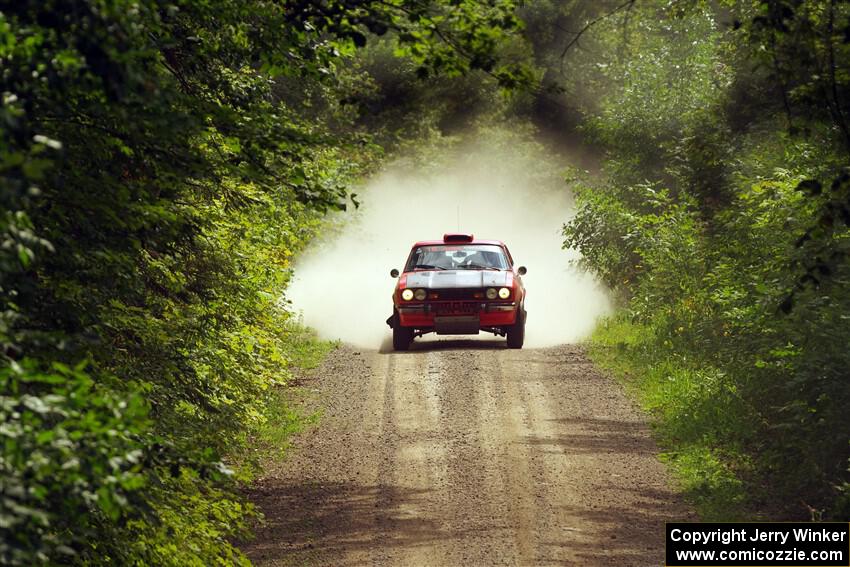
466,453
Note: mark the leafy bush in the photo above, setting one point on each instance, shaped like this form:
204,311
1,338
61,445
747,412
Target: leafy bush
73,458
161,164
728,243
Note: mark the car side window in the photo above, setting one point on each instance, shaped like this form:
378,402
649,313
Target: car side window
510,258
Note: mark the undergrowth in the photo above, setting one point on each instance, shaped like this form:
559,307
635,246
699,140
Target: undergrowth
708,472
285,415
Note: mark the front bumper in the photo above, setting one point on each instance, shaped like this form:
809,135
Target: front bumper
456,317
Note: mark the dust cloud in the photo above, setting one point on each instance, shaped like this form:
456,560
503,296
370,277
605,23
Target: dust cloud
504,191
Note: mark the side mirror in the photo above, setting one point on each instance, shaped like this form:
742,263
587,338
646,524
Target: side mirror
393,273
521,270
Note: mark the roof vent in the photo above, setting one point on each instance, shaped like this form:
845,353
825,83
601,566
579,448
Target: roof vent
455,237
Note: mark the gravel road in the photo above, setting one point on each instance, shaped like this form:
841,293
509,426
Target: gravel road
466,453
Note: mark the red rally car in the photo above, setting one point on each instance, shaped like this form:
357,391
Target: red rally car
458,286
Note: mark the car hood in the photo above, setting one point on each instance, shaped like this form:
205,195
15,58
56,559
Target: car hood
447,279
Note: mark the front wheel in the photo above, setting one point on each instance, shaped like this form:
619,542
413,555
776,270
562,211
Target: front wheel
516,332
402,337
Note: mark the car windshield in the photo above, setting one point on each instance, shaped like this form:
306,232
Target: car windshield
457,257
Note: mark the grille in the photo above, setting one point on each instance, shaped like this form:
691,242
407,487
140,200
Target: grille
456,293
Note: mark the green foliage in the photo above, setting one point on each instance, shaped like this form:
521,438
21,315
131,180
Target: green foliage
723,222
306,350
195,523
72,459
161,164
697,415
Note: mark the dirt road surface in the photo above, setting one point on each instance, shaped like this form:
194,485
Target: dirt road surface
466,453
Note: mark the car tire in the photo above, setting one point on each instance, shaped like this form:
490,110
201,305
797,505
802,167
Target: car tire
402,337
516,332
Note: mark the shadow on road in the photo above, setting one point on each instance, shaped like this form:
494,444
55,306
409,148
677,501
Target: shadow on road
344,523
339,523
622,536
596,436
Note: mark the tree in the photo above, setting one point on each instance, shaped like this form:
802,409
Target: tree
155,184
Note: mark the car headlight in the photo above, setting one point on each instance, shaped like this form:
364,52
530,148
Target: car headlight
504,293
492,293
407,294
419,295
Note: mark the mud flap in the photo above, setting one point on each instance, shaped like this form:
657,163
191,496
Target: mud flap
391,321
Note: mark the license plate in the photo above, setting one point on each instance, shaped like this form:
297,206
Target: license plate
456,307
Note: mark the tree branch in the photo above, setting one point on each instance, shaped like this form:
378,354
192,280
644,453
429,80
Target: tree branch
627,4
